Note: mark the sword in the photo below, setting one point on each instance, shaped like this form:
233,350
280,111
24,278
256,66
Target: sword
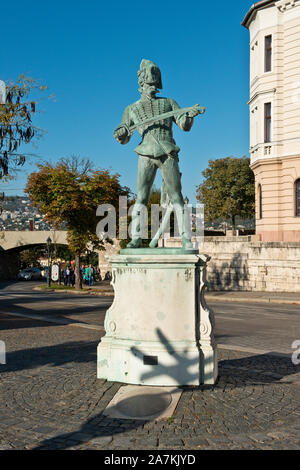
161,117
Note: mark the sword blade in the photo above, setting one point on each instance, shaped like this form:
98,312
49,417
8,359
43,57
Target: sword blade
163,116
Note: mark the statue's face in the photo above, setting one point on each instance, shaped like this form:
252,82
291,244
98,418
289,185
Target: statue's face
149,90
151,79
152,75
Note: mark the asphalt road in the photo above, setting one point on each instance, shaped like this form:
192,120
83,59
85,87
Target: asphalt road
253,326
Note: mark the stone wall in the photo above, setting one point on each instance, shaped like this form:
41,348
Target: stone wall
9,265
239,263
253,266
110,249
242,263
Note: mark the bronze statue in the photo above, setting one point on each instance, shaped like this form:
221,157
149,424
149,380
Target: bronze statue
153,117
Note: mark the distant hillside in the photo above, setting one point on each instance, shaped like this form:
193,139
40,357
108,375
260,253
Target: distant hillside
16,213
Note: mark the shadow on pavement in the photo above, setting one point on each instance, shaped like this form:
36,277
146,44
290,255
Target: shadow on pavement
5,284
100,429
57,355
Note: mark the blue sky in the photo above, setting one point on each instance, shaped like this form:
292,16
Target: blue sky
88,54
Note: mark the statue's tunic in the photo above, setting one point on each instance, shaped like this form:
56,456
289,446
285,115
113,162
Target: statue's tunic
157,138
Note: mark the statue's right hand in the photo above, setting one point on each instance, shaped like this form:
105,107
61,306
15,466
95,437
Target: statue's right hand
120,133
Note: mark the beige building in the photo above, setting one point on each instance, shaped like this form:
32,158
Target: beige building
274,103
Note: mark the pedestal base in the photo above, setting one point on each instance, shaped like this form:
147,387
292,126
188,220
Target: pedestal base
159,330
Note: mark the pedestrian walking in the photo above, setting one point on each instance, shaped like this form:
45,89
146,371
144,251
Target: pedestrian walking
67,276
89,275
72,277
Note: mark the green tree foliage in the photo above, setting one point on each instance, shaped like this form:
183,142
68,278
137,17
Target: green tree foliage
68,194
90,257
228,189
16,127
62,252
30,257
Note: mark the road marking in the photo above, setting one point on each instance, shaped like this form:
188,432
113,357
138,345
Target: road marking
55,320
223,316
253,350
256,300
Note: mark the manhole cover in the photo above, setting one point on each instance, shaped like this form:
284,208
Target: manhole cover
144,404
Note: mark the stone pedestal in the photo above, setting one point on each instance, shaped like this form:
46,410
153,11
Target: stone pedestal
159,330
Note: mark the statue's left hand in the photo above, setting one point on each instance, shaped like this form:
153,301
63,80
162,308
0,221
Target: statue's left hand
121,133
194,111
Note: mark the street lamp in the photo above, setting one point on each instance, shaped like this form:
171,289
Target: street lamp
48,250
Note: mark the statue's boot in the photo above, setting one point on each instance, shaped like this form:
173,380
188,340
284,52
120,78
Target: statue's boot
186,243
184,227
153,243
135,243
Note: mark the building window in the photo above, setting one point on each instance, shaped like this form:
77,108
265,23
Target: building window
268,121
259,197
268,53
297,191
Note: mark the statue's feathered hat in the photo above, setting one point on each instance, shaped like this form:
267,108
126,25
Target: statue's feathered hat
145,67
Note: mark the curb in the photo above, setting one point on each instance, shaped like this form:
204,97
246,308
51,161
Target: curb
76,292
252,300
208,297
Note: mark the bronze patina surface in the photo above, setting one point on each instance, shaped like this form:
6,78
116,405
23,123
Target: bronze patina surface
153,117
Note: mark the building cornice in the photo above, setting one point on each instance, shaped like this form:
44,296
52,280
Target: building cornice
284,5
256,6
259,93
270,160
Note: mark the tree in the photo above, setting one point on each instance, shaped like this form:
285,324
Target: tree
68,194
228,189
62,252
16,125
30,257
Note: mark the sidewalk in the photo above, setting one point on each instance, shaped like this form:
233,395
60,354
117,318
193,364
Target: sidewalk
265,297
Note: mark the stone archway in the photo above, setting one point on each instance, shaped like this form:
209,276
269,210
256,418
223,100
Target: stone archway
12,243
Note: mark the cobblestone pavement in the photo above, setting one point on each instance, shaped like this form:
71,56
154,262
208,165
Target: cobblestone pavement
50,398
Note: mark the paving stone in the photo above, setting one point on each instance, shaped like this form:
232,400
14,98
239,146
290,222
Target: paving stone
260,437
147,441
172,442
195,442
44,429
240,438
101,440
6,446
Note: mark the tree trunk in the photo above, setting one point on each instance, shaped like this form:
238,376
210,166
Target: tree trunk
233,225
78,280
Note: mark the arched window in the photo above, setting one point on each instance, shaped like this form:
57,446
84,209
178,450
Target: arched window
259,198
297,197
